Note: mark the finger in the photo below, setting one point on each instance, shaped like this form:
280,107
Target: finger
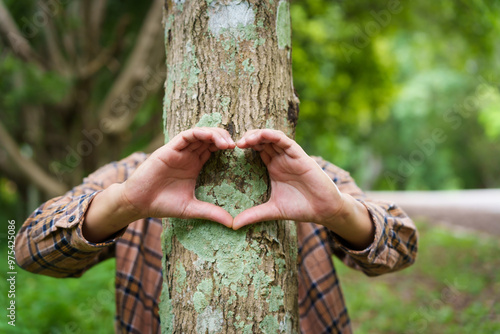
203,210
281,143
191,137
230,140
258,148
193,147
278,149
223,133
254,136
185,138
266,158
259,213
204,156
213,148
216,137
269,149
254,139
202,148
242,143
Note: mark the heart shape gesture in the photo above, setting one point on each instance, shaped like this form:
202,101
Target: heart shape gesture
163,186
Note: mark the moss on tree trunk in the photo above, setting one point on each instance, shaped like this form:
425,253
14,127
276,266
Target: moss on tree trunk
229,65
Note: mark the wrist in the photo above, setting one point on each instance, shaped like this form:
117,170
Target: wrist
124,205
108,213
340,215
352,222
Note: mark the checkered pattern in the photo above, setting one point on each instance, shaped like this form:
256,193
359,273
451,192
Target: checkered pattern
50,242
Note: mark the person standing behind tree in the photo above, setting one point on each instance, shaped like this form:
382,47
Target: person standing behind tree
116,211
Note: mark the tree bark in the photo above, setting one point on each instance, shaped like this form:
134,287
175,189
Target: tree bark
229,65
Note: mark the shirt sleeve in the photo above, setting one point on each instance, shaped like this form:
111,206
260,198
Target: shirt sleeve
396,238
50,242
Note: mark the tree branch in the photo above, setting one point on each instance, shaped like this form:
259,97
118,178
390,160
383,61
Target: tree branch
29,168
57,60
68,35
98,14
134,72
89,45
18,43
106,55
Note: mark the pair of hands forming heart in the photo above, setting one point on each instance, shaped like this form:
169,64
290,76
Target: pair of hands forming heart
163,186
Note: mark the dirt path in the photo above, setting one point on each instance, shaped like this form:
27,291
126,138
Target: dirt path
472,209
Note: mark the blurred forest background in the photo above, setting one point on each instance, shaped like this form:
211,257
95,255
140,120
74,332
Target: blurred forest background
405,95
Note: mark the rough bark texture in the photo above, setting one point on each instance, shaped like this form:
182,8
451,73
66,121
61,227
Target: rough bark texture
229,65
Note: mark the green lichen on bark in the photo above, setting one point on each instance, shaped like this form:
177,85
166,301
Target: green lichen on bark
231,19
202,297
165,129
224,103
185,72
199,301
210,120
206,286
233,25
283,25
269,325
180,274
243,327
191,67
261,282
270,123
166,311
286,325
210,321
166,237
275,299
213,242
281,264
247,67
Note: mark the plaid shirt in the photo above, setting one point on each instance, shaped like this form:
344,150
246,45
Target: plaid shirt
50,242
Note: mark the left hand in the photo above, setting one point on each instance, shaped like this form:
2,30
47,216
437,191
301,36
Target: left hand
300,190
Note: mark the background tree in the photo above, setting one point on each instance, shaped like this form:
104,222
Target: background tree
229,65
75,81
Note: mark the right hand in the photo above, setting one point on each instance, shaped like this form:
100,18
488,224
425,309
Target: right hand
164,184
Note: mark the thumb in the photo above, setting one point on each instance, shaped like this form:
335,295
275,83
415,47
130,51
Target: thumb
204,210
259,213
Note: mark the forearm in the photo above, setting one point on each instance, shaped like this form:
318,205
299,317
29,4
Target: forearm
395,239
108,213
353,224
52,232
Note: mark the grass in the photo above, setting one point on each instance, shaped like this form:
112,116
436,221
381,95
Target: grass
454,287
72,305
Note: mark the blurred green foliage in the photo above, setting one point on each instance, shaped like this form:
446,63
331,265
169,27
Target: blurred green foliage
452,288
62,306
45,109
377,79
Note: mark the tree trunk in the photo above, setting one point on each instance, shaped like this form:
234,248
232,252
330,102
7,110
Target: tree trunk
229,65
